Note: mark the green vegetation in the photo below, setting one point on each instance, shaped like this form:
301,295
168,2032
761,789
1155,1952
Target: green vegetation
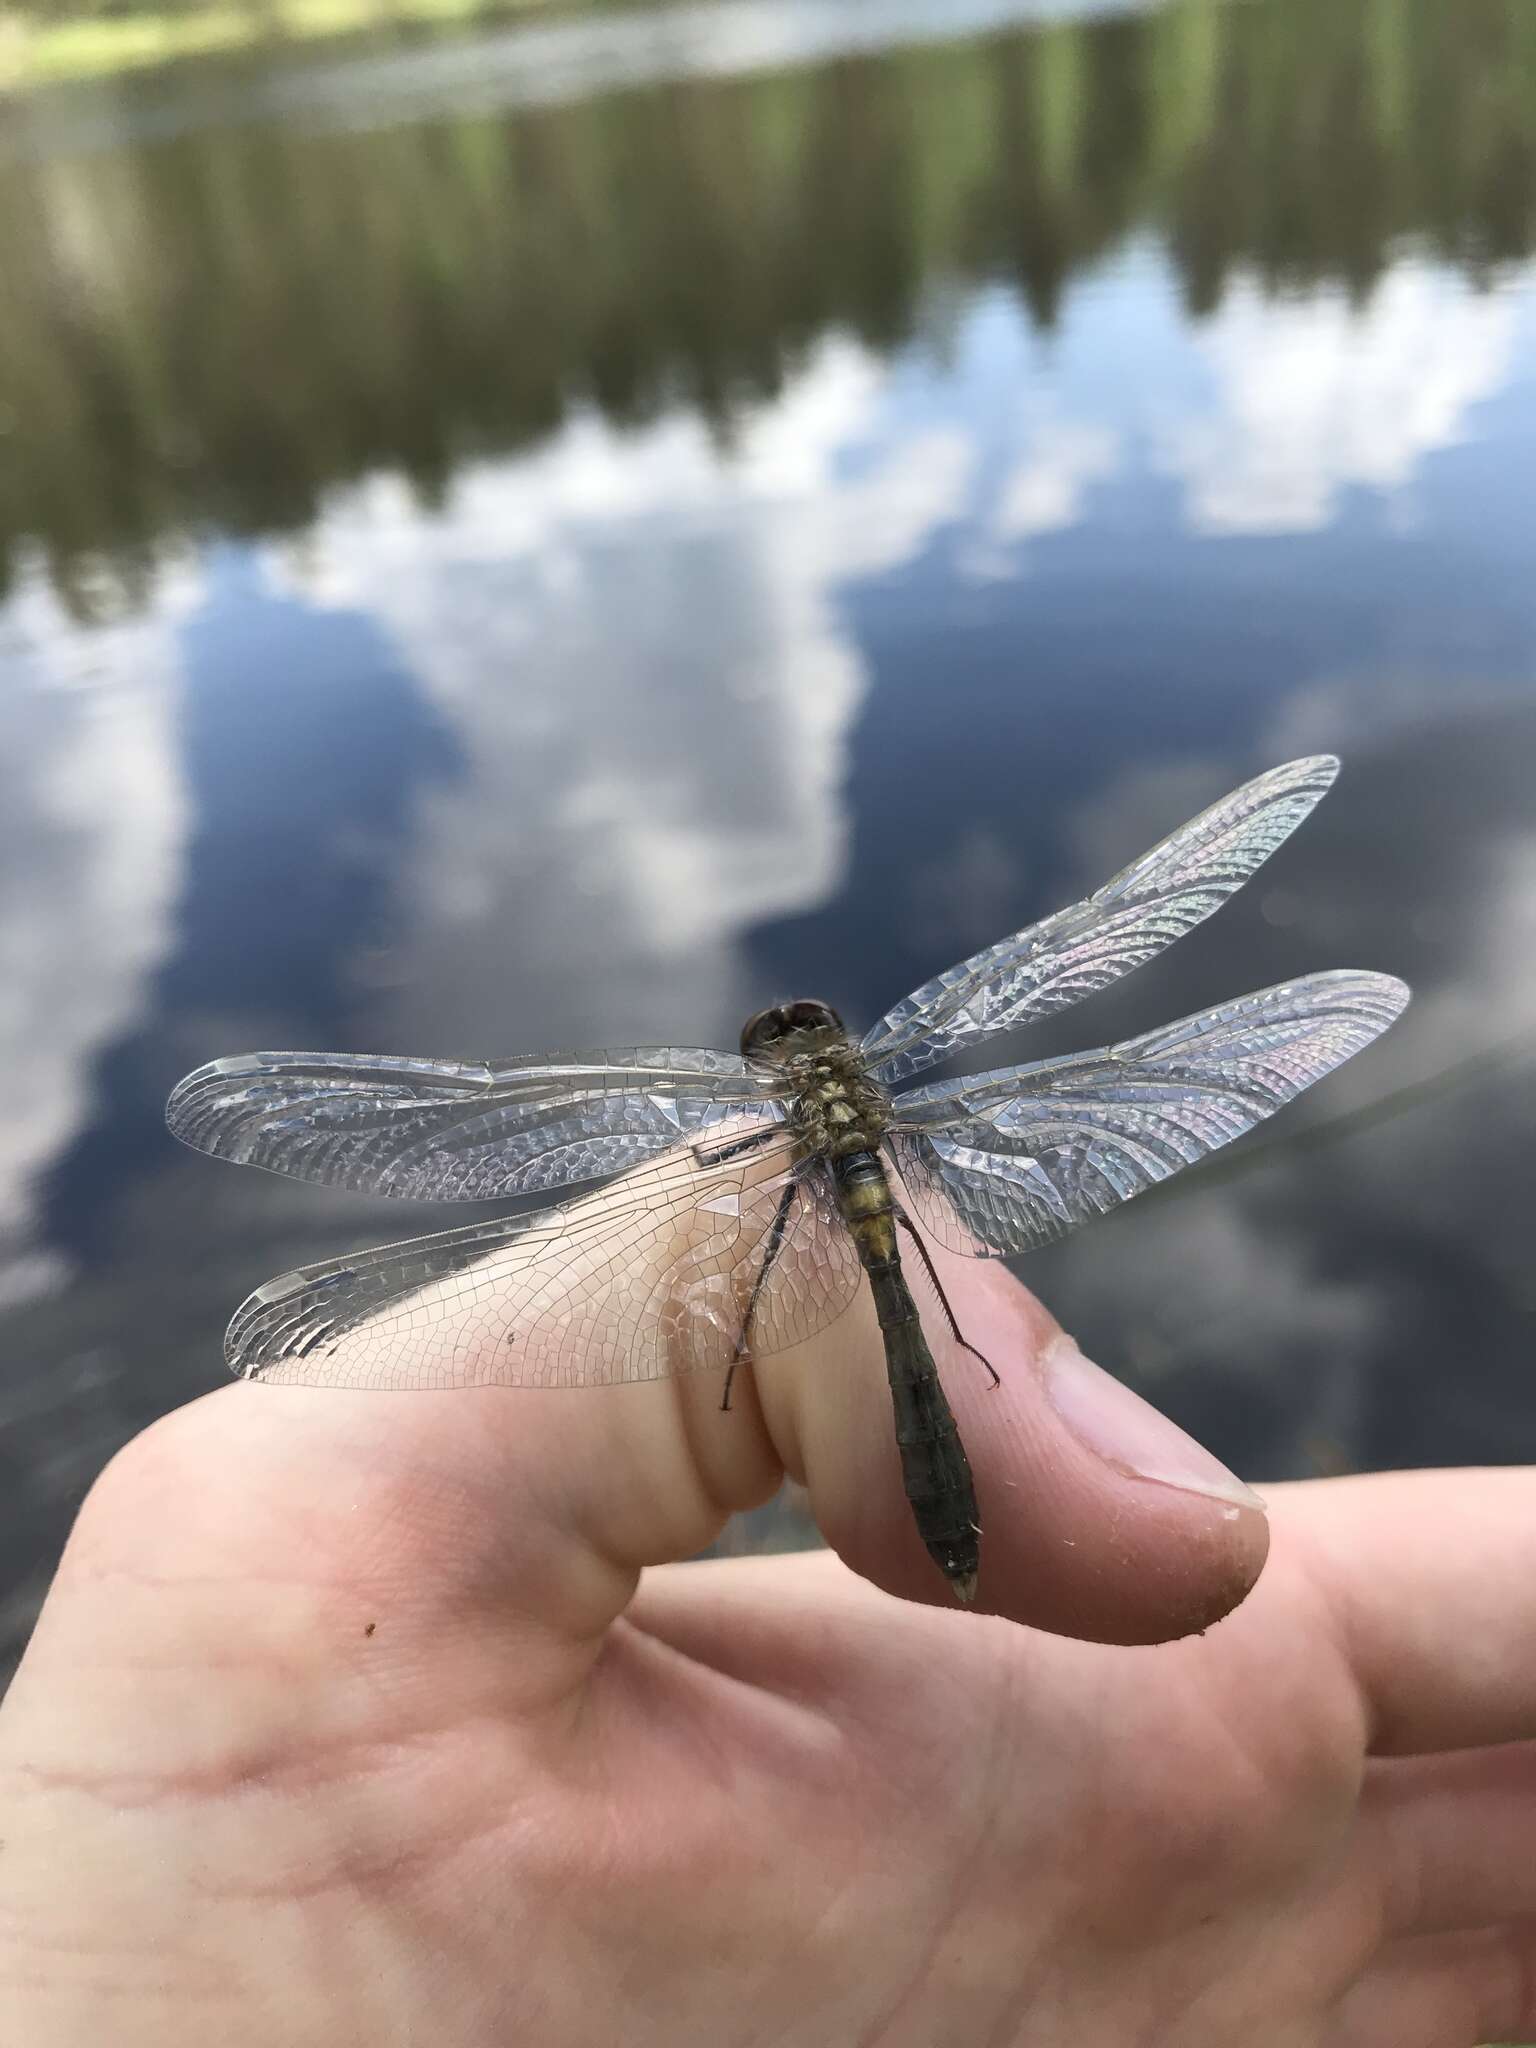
213,329
40,46
43,42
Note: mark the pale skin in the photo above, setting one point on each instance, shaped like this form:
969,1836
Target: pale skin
352,1720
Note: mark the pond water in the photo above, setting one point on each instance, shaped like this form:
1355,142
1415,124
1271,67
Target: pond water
567,533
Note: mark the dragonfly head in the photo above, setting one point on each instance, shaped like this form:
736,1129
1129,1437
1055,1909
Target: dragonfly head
784,1029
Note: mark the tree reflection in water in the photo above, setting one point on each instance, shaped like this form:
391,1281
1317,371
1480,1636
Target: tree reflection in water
212,330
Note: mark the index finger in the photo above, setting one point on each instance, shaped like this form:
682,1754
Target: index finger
1432,1578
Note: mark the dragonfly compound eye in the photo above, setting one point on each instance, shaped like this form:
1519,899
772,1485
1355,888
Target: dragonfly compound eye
769,1028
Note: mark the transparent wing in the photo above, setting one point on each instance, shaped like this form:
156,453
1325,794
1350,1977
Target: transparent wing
1066,957
445,1131
1003,1162
639,1282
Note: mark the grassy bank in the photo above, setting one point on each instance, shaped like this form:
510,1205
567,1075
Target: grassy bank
40,50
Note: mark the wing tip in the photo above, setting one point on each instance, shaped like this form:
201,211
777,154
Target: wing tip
1387,993
186,1098
1392,989
178,1111
253,1348
1317,772
238,1356
1387,988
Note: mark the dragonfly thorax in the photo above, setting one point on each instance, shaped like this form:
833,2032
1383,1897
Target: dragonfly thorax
837,1109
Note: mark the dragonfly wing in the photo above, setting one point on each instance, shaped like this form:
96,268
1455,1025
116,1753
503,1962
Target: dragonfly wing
1000,1163
639,1282
1066,957
443,1130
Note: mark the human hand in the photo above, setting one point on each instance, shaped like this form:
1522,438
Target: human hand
345,1722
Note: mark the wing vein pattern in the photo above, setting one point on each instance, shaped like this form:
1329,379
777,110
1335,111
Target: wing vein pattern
1080,950
634,1283
652,1276
999,1163
441,1130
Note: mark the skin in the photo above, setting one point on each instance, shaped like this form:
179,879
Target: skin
350,1719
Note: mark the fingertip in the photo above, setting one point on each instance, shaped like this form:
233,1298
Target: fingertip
1101,1519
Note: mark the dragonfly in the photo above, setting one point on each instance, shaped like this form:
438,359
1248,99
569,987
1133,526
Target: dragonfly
749,1196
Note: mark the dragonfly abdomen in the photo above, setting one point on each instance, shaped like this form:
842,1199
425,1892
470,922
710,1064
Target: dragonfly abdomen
936,1472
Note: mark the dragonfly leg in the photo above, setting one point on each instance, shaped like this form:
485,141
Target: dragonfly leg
775,1244
938,1287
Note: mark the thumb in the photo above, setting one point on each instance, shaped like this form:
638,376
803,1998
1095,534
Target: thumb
1100,1518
